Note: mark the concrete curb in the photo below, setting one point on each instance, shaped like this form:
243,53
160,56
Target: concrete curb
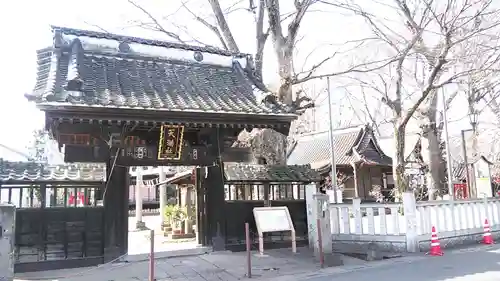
346,269
169,254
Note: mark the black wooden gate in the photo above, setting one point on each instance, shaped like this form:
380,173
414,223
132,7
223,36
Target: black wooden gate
58,225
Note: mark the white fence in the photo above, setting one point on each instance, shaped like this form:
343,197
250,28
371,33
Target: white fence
411,222
459,217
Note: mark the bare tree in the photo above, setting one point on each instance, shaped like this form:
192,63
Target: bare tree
427,39
269,21
37,148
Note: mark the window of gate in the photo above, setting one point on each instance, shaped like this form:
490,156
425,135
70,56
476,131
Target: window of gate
58,224
248,186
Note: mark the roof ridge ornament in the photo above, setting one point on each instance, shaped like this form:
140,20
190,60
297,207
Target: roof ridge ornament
124,47
58,38
74,84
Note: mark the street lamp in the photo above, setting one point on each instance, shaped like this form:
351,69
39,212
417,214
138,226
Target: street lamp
333,177
473,118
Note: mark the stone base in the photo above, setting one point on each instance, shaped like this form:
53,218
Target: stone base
333,259
458,241
181,236
140,225
366,247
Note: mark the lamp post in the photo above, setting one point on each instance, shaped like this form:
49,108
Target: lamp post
333,177
473,116
451,191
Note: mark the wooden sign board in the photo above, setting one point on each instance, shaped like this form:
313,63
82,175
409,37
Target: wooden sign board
273,219
171,140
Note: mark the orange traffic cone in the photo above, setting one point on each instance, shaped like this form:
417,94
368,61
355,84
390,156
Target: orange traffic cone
487,239
435,246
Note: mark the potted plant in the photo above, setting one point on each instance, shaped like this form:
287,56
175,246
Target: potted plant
179,215
168,216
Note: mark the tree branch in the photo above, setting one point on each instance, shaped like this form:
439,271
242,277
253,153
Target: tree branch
223,25
293,27
211,27
274,17
261,38
157,25
97,26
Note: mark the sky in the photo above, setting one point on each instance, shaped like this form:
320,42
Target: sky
25,27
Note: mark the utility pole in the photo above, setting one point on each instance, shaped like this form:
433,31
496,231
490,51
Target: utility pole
332,143
451,192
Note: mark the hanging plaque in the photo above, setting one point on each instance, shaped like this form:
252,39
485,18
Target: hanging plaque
170,146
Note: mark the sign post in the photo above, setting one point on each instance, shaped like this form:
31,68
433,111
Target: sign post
273,219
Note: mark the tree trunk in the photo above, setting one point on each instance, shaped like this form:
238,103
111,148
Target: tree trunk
436,164
398,162
285,61
268,146
436,170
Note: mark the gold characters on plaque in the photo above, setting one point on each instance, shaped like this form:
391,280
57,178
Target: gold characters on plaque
170,146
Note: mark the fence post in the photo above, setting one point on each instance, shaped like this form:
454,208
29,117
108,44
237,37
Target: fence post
410,215
249,250
320,244
312,215
486,209
358,218
152,256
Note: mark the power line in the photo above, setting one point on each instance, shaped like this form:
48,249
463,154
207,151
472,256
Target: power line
29,158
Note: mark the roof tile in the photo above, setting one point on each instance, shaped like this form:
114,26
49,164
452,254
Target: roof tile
30,171
270,173
93,69
314,149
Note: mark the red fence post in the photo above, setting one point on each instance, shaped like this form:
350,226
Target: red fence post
320,245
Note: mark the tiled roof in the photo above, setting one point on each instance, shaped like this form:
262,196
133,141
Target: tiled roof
270,173
93,69
314,149
30,171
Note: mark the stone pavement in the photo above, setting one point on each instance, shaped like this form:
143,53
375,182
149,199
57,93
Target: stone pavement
138,242
221,266
480,263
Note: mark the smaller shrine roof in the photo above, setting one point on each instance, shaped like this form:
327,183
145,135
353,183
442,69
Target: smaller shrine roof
270,173
352,145
38,172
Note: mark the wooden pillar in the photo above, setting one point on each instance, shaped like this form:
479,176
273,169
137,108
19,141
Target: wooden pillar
186,203
214,188
201,212
356,179
139,224
267,190
163,194
115,195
